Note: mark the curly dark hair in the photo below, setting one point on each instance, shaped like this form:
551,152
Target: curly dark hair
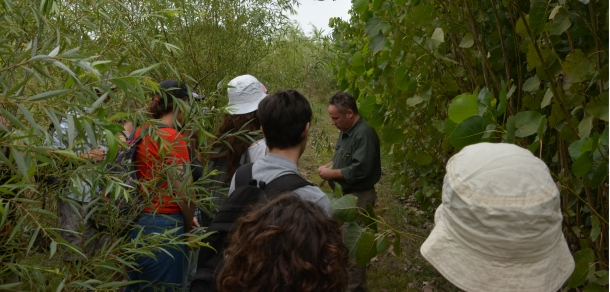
288,244
231,124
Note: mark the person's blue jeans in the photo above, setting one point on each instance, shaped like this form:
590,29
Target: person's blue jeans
165,271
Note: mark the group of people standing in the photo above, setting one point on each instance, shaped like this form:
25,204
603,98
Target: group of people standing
498,228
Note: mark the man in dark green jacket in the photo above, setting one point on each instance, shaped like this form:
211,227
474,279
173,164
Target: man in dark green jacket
356,165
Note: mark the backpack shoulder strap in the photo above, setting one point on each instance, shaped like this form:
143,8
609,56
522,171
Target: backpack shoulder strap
243,175
285,183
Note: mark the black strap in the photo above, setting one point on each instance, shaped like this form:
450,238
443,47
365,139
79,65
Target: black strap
285,183
243,175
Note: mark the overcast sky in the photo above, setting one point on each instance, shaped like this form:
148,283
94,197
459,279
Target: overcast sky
319,12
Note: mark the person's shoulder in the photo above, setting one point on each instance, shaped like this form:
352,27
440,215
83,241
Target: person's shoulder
311,192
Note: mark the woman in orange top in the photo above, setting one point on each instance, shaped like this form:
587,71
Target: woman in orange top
163,158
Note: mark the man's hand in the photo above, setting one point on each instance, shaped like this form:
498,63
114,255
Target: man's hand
327,173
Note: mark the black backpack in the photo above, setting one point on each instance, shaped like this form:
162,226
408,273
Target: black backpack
247,192
129,210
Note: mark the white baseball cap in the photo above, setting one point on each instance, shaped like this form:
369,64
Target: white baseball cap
499,225
245,94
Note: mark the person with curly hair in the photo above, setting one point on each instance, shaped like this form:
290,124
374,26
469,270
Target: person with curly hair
288,244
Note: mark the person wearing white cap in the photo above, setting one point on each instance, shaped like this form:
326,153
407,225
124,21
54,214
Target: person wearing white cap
245,92
499,225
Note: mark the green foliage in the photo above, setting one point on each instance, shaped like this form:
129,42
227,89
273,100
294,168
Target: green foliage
455,73
94,64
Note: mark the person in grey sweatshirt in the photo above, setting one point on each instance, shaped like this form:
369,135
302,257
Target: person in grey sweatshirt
285,118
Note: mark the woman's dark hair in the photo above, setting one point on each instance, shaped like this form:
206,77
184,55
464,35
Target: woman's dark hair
234,123
163,100
344,101
287,244
284,116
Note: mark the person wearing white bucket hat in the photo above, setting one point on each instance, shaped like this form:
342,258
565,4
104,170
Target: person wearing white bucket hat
245,93
499,225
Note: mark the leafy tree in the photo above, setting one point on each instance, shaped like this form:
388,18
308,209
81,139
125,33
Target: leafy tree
436,76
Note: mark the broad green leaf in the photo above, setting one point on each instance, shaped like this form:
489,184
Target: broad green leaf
345,208
577,66
561,22
579,275
361,6
413,101
351,237
531,84
467,41
397,248
604,138
595,228
555,11
546,100
594,287
462,107
423,159
374,26
367,249
579,147
382,244
584,128
377,43
527,123
599,107
520,26
367,105
369,217
599,176
582,165
391,134
357,59
537,15
437,38
470,131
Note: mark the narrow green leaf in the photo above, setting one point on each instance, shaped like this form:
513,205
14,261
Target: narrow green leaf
28,116
32,240
71,130
53,249
12,119
23,168
144,70
48,94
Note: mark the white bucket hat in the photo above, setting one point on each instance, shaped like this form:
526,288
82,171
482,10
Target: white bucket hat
499,225
245,94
